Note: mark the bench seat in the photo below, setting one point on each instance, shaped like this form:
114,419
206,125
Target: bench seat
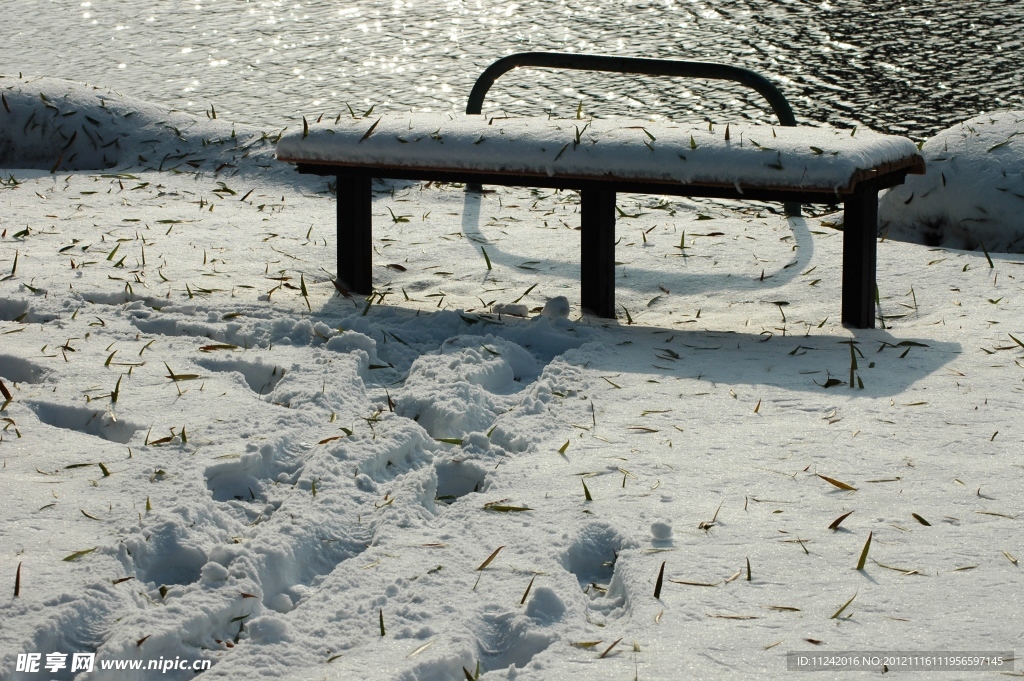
600,158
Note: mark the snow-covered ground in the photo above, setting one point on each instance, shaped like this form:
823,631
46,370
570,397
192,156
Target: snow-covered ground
209,454
973,192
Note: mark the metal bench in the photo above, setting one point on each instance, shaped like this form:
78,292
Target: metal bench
603,157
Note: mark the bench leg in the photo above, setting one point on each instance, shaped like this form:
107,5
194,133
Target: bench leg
355,233
597,253
860,240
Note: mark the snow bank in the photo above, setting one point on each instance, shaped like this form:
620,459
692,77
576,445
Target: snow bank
53,124
661,151
972,195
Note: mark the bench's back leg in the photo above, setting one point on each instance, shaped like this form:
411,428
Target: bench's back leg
355,233
860,241
597,252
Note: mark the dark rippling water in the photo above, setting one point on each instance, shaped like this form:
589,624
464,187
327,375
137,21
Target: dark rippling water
913,67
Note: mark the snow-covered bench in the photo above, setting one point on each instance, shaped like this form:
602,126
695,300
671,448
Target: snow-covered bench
600,158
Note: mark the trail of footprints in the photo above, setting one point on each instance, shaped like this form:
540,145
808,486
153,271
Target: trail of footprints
255,488
94,422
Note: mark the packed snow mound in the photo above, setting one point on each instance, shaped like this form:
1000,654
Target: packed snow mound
972,195
53,124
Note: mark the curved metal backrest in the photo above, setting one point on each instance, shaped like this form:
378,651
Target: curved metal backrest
650,67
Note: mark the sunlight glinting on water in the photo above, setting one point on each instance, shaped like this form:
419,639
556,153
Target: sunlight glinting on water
265,62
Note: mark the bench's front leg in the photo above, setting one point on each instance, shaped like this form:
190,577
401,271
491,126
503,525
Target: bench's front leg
355,233
860,241
597,252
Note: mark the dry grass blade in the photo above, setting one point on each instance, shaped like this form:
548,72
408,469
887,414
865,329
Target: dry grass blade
904,571
78,554
921,520
341,289
17,582
681,581
586,491
801,542
527,592
503,508
839,521
987,256
117,390
661,580
1009,556
838,483
839,612
5,392
179,377
708,524
609,649
381,611
490,558
304,291
422,648
864,553
218,346
370,131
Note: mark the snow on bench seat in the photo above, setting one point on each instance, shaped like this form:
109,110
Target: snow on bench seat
812,159
601,157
